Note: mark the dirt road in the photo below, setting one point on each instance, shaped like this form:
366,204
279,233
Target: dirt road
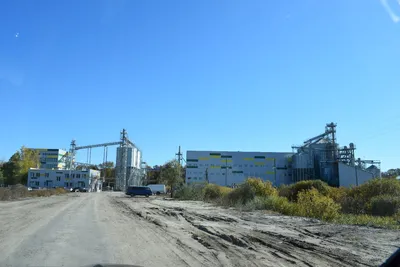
86,228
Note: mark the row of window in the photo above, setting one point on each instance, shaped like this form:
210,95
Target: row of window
224,165
51,159
66,175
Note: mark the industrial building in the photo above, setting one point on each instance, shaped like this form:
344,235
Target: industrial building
44,178
51,158
229,168
319,157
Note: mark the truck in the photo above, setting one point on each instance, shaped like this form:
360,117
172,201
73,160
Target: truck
157,189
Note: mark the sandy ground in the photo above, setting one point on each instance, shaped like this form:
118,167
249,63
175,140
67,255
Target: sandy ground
81,229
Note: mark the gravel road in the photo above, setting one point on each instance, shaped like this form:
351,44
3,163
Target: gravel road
80,229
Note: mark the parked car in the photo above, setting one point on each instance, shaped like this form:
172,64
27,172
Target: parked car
158,188
138,191
78,189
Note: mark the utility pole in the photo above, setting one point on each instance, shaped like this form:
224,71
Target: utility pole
179,154
207,175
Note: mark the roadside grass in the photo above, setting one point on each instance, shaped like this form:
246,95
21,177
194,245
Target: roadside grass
375,203
19,191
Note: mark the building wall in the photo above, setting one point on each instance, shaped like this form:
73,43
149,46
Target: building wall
45,178
347,175
51,158
228,168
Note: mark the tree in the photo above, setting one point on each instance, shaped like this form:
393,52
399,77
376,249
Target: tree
171,174
16,169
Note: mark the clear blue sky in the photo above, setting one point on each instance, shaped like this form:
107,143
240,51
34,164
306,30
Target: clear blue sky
206,75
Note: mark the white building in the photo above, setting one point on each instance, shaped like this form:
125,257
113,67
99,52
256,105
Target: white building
45,178
51,158
228,168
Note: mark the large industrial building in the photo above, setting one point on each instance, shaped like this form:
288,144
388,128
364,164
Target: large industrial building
51,158
229,168
44,178
319,157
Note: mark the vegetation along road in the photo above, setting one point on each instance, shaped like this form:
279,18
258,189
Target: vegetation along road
85,228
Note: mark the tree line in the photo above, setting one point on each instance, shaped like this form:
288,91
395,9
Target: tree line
15,170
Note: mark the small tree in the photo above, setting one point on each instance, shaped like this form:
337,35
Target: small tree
171,174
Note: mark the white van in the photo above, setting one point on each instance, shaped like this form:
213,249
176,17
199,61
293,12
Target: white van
158,189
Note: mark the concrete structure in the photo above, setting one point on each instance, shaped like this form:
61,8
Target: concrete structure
45,178
229,168
133,174
51,158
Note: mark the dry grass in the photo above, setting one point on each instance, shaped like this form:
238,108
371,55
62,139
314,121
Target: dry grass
20,191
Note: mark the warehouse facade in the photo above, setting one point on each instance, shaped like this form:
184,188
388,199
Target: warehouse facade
228,168
42,178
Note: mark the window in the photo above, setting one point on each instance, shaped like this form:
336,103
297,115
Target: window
245,165
84,175
32,174
78,175
58,178
66,175
251,165
73,175
46,175
37,174
37,183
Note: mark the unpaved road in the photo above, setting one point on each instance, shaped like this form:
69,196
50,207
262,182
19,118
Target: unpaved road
88,228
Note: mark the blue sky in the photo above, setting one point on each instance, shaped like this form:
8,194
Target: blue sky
206,75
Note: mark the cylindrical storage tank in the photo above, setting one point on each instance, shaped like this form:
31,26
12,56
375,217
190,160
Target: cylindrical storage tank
134,157
139,159
300,161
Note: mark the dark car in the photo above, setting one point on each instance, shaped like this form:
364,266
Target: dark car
138,191
78,189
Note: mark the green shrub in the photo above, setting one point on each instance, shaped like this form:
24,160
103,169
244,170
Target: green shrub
281,205
213,191
261,188
239,196
291,191
375,187
190,192
351,205
384,205
314,204
337,193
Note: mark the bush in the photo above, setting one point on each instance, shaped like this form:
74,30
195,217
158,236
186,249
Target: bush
262,188
338,194
213,191
352,205
239,196
384,205
190,192
375,187
18,191
5,193
291,192
281,205
314,204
